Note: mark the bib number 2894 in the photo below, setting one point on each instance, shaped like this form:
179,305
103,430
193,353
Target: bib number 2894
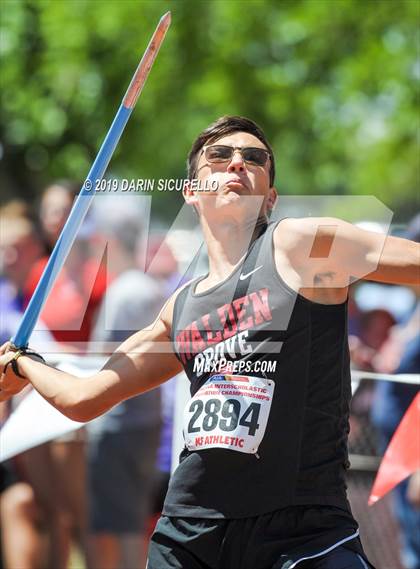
230,413
226,416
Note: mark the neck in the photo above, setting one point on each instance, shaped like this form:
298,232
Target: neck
227,243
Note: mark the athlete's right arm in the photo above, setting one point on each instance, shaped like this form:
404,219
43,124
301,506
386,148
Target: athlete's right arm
142,362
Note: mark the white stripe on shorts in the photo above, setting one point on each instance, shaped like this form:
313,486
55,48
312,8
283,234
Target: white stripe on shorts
362,561
325,551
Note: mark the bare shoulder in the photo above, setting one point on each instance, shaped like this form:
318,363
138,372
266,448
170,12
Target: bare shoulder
297,234
303,256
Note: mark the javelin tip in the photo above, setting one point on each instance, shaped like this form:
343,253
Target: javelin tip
166,19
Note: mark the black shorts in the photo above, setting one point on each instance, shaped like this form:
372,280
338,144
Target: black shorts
306,537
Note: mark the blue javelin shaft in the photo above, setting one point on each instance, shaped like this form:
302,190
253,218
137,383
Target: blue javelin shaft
70,229
84,199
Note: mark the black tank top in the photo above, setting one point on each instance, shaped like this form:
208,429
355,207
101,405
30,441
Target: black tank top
254,316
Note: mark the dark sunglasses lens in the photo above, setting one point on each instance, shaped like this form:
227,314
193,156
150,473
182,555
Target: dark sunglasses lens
218,153
255,156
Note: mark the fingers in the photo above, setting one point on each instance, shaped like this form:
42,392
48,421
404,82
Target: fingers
5,348
4,360
10,384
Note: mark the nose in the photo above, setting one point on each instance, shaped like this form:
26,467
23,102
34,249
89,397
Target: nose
237,163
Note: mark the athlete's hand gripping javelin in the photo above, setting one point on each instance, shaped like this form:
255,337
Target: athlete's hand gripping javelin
9,381
142,362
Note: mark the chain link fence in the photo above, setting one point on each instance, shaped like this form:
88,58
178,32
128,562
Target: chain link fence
378,527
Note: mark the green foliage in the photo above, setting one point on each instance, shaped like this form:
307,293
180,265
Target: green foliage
334,83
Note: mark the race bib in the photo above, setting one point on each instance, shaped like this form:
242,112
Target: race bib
228,411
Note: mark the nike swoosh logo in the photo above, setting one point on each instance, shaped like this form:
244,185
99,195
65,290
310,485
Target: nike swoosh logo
242,277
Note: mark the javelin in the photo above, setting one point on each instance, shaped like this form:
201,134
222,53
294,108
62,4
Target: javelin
81,205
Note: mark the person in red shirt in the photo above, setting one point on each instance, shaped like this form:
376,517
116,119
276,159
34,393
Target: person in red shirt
71,307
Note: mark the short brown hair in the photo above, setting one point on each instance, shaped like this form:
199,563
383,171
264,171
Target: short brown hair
222,127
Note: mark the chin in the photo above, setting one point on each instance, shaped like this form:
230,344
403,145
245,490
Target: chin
239,209
232,201
232,197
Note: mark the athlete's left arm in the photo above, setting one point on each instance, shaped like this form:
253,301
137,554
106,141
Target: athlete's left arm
322,245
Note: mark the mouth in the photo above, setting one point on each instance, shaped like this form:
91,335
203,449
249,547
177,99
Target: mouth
236,185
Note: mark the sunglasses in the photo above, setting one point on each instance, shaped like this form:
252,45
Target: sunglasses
250,155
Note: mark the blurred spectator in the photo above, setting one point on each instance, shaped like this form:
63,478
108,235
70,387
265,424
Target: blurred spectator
28,510
123,442
160,263
74,300
14,209
55,471
375,326
401,354
413,490
55,207
22,544
20,249
390,404
34,523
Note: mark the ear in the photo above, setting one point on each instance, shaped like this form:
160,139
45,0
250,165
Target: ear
272,199
190,195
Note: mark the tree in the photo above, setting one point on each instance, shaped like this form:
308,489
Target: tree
334,83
